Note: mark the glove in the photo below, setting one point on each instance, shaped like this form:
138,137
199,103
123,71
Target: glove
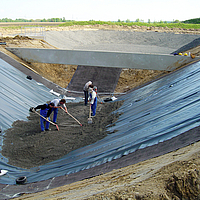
32,109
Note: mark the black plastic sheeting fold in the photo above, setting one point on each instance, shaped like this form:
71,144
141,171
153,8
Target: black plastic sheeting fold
154,113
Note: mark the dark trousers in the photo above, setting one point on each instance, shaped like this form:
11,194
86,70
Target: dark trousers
86,97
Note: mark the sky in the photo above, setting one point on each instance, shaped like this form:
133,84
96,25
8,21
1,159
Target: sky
103,10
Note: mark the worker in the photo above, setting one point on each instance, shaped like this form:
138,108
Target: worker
95,89
85,89
58,103
45,111
93,101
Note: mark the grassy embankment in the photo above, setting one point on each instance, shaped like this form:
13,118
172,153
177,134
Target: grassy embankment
155,24
72,23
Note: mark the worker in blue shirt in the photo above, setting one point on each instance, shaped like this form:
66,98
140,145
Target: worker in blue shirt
45,111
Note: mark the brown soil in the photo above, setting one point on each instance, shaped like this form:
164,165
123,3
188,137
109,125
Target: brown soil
171,176
62,74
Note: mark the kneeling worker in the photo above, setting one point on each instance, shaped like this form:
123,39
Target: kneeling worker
45,111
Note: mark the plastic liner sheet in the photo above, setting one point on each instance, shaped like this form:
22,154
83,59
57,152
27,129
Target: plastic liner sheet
18,94
105,78
154,113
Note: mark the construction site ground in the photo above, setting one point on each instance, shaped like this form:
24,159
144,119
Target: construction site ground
171,176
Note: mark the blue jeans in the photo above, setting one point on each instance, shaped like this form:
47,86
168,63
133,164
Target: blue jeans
94,107
55,113
42,120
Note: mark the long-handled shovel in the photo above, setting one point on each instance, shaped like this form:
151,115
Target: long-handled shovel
46,119
72,117
90,118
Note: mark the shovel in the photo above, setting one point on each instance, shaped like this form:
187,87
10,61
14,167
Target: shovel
72,117
46,119
90,118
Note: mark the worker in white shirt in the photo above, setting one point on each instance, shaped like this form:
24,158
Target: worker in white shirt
85,89
58,103
93,101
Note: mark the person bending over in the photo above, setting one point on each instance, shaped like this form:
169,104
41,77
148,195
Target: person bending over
58,103
45,111
85,89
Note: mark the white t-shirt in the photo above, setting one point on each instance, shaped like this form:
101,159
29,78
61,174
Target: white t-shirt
85,88
93,93
57,103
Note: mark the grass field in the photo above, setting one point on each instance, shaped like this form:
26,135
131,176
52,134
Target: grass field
16,25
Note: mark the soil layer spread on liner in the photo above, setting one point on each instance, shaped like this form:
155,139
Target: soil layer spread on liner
26,146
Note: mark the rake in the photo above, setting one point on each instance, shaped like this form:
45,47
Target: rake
47,119
73,117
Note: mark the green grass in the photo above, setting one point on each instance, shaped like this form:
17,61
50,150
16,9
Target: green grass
156,24
153,24
10,27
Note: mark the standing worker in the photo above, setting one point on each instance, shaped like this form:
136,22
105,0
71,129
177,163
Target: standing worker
58,103
93,101
85,89
95,89
45,111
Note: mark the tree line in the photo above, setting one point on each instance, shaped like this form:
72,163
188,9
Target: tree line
189,21
192,21
37,20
